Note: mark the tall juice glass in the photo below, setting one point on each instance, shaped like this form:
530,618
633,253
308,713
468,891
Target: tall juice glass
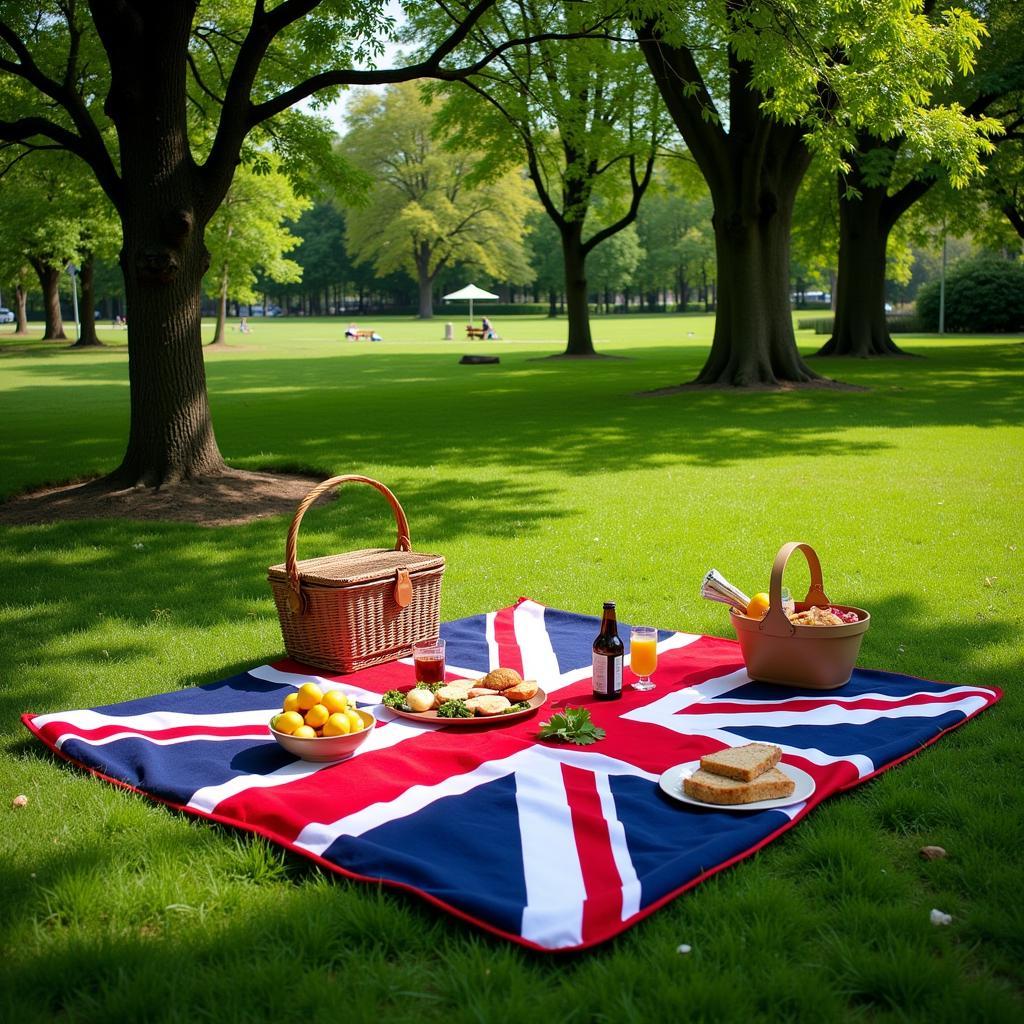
643,655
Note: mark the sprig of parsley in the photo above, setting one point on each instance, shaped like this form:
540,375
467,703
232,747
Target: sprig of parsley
454,709
571,726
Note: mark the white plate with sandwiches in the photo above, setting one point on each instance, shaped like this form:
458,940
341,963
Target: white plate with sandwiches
745,778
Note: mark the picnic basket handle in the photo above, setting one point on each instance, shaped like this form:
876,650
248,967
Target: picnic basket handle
775,622
402,542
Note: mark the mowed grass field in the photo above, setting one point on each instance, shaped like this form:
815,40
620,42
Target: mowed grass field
562,481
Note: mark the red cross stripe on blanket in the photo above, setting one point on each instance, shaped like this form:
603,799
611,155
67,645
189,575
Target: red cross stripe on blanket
554,846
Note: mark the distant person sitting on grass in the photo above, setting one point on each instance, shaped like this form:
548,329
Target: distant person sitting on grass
352,332
488,330
243,325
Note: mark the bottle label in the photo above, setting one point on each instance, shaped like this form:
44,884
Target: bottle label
607,673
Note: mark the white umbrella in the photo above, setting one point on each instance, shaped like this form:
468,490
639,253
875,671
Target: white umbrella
470,292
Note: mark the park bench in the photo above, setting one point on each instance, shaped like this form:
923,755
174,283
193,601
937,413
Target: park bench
475,332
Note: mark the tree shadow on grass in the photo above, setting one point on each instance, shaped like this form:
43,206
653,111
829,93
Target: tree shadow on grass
421,409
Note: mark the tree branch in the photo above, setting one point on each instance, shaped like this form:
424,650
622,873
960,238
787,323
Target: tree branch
687,97
429,68
639,188
88,144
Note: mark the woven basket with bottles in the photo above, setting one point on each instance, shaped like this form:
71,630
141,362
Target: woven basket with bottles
345,612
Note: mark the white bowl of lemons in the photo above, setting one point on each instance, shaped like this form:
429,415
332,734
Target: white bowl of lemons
321,725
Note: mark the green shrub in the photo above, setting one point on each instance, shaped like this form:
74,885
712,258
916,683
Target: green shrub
982,295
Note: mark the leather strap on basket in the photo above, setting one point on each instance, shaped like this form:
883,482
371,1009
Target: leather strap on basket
296,601
775,622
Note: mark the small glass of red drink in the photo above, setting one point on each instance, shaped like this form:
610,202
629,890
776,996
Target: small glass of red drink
428,659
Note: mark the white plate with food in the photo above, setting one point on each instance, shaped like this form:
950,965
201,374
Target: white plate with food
671,783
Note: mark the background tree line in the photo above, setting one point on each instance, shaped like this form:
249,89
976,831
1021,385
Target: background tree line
600,128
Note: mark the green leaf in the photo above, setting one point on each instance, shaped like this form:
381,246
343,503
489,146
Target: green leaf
571,726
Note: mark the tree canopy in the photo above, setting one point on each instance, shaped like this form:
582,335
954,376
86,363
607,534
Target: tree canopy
430,208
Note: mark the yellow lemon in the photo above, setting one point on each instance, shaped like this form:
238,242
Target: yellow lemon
335,700
291,702
758,606
305,732
317,715
354,720
309,694
288,722
337,725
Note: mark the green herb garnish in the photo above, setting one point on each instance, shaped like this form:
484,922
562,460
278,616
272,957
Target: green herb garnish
523,705
393,699
571,726
432,687
454,709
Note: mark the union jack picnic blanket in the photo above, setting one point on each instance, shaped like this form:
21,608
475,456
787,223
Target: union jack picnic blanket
553,846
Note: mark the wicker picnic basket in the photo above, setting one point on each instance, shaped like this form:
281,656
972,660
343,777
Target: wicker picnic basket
813,657
346,612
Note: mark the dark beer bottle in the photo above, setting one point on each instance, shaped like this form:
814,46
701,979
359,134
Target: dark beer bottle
609,655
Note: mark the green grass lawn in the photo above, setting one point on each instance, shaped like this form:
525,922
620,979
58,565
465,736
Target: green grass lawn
561,481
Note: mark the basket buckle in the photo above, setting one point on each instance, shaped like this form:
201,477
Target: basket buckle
403,587
296,601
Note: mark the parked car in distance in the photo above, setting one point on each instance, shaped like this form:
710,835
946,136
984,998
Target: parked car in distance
6,315
258,311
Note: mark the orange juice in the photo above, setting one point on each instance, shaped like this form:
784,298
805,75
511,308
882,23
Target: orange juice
643,656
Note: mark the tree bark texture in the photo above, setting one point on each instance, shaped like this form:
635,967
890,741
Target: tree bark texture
859,328
753,172
219,336
425,280
754,341
579,342
165,204
21,309
49,281
87,337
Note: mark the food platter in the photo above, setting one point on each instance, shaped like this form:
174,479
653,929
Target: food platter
536,701
671,783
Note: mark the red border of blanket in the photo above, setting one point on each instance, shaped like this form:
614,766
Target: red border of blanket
267,834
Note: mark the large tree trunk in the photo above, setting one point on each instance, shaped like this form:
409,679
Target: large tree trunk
754,341
87,337
163,215
49,281
860,328
21,308
753,171
580,342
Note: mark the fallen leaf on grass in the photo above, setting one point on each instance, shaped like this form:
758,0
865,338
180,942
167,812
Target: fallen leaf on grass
937,917
20,801
932,852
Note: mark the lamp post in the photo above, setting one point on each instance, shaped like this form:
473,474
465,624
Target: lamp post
942,286
73,274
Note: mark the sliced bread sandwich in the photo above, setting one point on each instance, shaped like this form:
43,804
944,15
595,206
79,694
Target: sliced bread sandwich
744,763
718,789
